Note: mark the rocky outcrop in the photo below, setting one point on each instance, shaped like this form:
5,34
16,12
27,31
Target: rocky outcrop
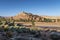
30,16
27,16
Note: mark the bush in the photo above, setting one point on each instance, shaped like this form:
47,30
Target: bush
19,25
9,34
53,30
10,24
32,32
6,22
38,34
12,29
47,20
6,29
23,30
55,37
1,23
19,30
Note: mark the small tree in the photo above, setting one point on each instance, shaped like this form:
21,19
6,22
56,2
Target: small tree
33,24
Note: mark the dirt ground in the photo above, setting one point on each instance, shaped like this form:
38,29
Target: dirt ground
44,25
54,24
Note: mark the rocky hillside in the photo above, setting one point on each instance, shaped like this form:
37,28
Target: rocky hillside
29,17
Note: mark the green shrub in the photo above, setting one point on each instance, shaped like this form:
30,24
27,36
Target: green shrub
47,20
33,32
9,34
33,24
1,23
55,37
6,29
23,30
19,25
11,24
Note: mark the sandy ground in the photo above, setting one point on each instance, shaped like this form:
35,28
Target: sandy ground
53,24
44,25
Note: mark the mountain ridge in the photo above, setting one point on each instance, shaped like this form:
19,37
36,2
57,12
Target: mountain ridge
29,16
52,17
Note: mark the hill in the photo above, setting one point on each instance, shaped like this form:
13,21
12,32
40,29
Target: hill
30,16
24,16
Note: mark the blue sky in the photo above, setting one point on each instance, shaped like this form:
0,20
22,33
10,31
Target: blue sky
39,7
